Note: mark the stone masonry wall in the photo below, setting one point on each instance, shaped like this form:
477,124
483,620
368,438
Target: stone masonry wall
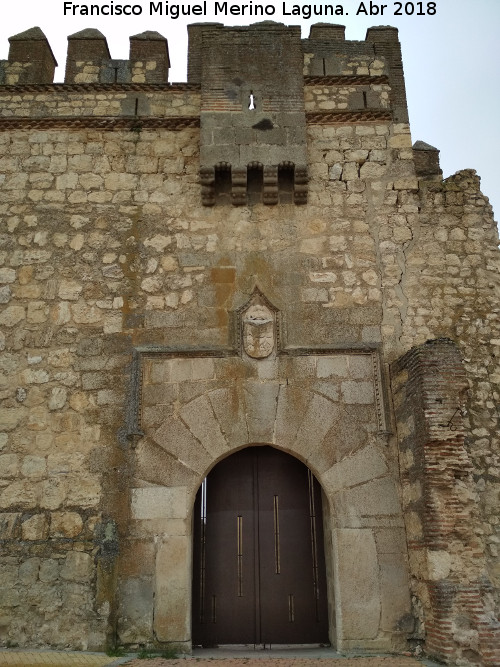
99,101
106,247
444,282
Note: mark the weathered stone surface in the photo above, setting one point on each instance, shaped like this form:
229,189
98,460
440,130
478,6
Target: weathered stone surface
130,365
136,610
359,584
374,498
35,528
260,410
77,567
176,438
172,622
199,416
361,467
9,522
152,503
65,524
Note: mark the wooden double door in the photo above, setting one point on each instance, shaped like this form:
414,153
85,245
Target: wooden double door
259,567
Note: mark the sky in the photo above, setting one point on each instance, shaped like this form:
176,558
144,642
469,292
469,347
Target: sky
451,58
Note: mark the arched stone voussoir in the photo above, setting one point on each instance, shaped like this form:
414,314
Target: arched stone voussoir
261,401
321,415
361,467
292,405
344,439
198,415
155,465
176,439
228,405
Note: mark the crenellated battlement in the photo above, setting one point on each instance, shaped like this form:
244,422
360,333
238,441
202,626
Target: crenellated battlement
31,61
253,116
325,52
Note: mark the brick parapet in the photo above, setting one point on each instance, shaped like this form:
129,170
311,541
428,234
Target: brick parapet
30,59
386,44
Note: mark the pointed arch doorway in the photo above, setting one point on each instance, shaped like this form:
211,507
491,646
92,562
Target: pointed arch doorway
259,567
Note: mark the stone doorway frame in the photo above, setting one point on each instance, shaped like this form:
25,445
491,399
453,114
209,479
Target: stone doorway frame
293,399
363,522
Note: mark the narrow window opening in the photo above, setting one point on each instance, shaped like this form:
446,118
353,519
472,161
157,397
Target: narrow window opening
223,185
365,103
324,67
136,106
251,102
116,74
286,174
255,184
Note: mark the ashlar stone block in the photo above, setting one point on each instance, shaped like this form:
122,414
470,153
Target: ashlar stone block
357,392
200,419
376,498
332,367
175,437
228,407
135,610
172,618
395,591
260,407
319,418
292,406
358,591
159,502
361,467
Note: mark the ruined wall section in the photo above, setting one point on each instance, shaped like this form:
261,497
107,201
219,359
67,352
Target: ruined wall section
450,582
449,286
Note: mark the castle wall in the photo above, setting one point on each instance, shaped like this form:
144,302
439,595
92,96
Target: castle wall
124,101
120,297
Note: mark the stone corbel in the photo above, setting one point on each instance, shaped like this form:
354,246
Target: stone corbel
207,180
300,184
270,181
239,186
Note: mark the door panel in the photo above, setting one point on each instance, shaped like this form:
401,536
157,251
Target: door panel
259,574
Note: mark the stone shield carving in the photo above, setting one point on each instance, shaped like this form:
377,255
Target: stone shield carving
258,331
